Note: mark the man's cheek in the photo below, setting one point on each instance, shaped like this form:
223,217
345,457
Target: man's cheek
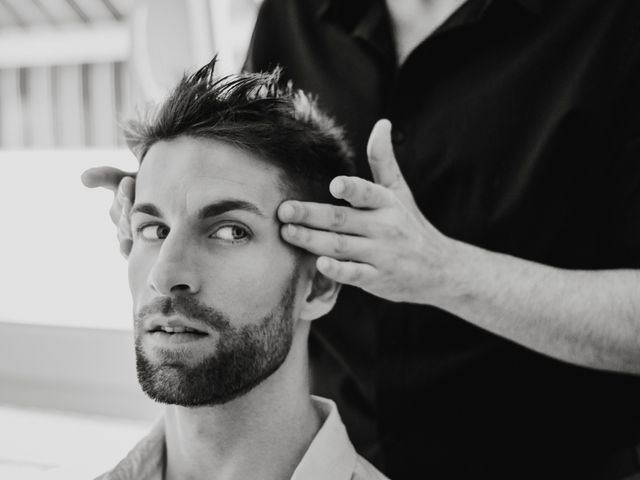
260,292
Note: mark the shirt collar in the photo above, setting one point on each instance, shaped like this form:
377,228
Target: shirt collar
330,454
145,461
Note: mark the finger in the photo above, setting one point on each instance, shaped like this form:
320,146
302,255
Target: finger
122,200
349,273
127,188
324,216
106,177
124,226
360,193
115,212
125,236
382,160
330,244
125,247
126,208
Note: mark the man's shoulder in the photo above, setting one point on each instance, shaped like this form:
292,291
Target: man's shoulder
294,8
331,453
278,29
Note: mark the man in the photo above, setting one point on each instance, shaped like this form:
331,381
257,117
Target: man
222,305
516,127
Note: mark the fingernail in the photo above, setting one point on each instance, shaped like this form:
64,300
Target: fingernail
292,230
288,211
337,186
324,263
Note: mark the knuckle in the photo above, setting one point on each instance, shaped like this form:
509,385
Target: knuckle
303,235
293,232
367,191
341,245
308,235
338,217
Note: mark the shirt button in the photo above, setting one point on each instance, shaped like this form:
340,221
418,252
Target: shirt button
397,136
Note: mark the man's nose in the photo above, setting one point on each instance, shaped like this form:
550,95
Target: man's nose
175,270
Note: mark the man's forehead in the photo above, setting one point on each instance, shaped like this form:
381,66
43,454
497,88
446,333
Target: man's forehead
201,170
186,156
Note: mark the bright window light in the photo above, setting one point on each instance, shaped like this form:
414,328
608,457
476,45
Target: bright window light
59,256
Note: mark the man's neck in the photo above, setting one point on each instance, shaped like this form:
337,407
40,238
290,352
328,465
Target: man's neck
412,21
263,434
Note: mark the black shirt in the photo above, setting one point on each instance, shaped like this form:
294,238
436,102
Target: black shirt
517,127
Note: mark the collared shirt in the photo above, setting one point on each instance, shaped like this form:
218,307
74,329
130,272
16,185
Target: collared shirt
517,127
330,456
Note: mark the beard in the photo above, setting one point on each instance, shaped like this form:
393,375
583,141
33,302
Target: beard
244,356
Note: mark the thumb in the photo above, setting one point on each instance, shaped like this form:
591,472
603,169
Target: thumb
382,160
106,177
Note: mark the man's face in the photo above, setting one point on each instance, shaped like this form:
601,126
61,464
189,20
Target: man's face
213,284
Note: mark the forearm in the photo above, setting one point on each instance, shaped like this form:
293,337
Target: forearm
590,318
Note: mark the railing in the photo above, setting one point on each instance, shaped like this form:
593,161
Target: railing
65,106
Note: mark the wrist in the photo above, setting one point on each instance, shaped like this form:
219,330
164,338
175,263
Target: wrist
459,273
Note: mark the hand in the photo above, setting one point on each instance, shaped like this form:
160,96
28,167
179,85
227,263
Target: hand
122,184
382,243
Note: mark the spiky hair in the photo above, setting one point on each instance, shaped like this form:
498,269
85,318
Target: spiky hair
257,113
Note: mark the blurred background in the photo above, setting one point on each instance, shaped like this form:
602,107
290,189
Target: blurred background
70,72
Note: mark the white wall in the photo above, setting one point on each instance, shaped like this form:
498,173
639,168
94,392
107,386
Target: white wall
59,258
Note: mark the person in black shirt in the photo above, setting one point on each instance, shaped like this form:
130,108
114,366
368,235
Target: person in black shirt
493,323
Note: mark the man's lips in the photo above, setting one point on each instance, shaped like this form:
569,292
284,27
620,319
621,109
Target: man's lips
174,325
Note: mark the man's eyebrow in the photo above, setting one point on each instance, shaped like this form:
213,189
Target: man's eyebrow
211,210
147,208
222,206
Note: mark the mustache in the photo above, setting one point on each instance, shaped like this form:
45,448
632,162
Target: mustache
188,307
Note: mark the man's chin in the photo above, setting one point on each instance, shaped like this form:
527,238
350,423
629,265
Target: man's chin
175,383
179,398
213,371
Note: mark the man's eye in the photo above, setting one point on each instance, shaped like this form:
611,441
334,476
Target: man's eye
230,233
153,232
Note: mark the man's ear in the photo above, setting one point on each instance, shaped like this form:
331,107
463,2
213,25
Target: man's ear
320,297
